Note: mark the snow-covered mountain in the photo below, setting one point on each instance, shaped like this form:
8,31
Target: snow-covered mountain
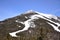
31,25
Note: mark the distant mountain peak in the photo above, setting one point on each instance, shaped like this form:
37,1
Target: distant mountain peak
43,14
29,25
30,11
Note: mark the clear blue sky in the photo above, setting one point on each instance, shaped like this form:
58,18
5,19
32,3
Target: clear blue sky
10,8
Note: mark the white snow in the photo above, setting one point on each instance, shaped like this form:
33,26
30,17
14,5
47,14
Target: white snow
29,23
32,25
55,28
18,21
13,34
29,31
47,15
18,26
26,17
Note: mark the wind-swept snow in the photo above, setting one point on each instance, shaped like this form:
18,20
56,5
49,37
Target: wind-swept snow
30,23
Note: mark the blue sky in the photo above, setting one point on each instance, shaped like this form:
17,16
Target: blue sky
10,8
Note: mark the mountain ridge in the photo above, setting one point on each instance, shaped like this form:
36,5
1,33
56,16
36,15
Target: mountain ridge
32,24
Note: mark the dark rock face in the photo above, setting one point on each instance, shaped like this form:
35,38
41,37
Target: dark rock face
42,31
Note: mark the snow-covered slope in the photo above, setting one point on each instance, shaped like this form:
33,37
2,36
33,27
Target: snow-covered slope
30,22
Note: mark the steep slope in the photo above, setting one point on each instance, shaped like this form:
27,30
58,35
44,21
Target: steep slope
30,26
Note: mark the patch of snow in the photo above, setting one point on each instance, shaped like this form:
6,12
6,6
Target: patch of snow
57,24
16,21
22,22
55,28
13,34
18,26
34,17
47,15
19,21
29,31
32,25
27,26
26,17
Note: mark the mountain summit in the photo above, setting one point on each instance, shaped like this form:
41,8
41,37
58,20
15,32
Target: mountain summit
31,25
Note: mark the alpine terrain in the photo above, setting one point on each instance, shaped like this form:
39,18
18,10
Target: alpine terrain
31,25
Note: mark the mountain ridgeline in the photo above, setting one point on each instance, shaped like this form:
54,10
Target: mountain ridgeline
31,25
